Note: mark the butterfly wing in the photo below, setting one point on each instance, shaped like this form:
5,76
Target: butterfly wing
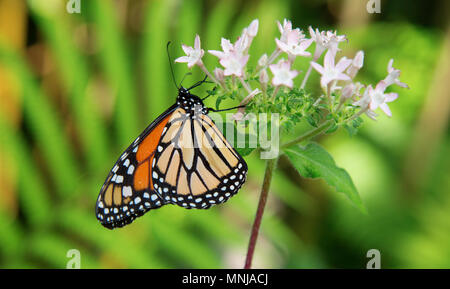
128,190
194,165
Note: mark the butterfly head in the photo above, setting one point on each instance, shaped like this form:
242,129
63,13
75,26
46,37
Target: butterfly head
191,103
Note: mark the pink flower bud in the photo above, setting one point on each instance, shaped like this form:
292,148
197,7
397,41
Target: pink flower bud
356,64
263,60
347,91
264,77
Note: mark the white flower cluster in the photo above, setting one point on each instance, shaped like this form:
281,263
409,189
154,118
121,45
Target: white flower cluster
336,78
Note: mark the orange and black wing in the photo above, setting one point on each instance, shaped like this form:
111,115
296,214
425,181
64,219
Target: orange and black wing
128,191
194,166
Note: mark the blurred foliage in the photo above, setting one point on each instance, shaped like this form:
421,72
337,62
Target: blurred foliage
77,88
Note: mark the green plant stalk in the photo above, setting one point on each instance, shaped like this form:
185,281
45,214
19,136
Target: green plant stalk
310,134
260,211
270,166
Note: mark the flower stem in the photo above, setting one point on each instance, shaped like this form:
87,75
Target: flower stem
245,85
308,72
275,92
270,165
312,133
205,70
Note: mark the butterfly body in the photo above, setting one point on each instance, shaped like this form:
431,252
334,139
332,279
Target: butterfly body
181,158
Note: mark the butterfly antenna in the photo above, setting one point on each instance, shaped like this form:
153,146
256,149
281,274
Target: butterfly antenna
226,109
198,83
171,66
187,73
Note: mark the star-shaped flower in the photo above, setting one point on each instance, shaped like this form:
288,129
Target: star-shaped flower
325,40
392,77
234,64
282,74
193,54
374,98
234,57
330,71
292,41
284,29
231,58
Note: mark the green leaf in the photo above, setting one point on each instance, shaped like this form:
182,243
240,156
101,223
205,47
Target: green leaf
311,121
313,161
332,129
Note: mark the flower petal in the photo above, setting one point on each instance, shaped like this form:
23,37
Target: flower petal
182,59
391,96
343,63
385,108
317,67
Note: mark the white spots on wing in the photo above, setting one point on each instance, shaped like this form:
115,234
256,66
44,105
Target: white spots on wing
126,163
123,156
115,168
127,191
130,170
119,179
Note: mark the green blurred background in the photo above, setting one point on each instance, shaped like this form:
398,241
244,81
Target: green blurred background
76,89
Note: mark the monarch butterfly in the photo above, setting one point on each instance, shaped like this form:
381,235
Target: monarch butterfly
181,158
